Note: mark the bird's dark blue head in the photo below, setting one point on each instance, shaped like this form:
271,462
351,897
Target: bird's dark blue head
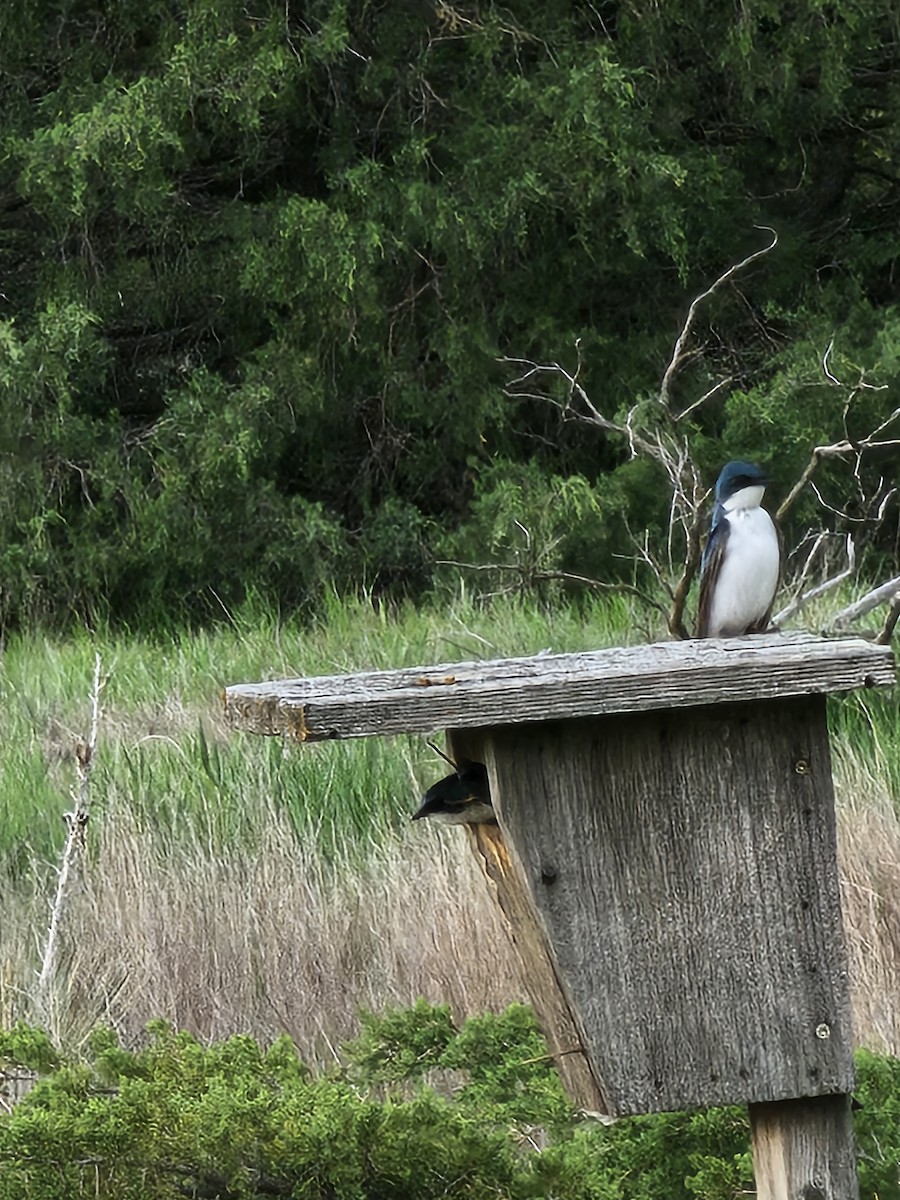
737,475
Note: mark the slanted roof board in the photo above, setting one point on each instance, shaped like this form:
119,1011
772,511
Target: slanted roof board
557,686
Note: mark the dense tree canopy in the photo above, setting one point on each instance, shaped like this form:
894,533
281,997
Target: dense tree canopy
258,263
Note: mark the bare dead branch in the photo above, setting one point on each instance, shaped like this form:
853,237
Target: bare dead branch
836,450
676,623
865,604
846,445
890,621
528,576
818,454
578,405
866,518
796,602
825,369
678,352
717,387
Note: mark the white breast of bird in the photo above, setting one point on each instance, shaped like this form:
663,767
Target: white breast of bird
748,576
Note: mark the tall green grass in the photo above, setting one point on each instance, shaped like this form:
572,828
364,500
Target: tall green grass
166,756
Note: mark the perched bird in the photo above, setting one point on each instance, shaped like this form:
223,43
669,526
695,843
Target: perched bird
741,563
463,798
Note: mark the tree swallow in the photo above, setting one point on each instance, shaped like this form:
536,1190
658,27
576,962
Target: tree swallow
463,798
741,563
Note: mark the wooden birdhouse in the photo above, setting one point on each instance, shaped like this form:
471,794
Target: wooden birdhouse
665,857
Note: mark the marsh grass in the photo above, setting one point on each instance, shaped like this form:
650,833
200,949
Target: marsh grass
235,883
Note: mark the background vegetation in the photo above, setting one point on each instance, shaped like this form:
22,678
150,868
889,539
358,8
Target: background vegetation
423,1108
257,265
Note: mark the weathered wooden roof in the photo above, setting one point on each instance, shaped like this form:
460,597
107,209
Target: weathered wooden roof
547,687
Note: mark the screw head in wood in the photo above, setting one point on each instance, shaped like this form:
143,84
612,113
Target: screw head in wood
802,767
823,1031
549,873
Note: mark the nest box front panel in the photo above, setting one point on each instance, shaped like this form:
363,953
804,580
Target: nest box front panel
683,865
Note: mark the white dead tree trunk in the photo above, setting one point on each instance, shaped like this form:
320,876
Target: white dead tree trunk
76,824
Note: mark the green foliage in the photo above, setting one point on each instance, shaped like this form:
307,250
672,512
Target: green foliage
504,1059
28,1047
402,1044
258,266
233,1119
876,1125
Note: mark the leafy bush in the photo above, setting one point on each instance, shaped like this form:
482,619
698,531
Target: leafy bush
234,1120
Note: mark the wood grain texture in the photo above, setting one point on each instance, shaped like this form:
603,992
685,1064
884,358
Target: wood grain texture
683,865
803,1149
565,1041
521,690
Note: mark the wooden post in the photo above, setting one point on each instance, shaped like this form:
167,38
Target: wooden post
803,1149
665,858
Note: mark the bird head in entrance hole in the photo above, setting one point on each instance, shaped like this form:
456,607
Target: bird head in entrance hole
461,798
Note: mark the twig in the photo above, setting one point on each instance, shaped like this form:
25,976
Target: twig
446,757
528,575
801,598
845,445
716,387
76,822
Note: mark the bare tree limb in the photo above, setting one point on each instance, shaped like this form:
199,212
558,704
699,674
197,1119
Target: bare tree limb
865,604
890,621
678,351
846,445
695,404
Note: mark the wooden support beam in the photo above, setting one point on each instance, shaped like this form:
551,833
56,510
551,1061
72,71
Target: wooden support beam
565,1040
803,1149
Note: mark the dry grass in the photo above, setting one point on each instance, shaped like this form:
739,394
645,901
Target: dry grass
869,857
273,936
267,939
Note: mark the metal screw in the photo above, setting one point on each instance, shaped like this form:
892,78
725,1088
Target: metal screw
823,1031
801,766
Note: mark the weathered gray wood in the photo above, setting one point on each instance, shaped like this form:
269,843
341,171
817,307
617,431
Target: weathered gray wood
683,864
565,1041
803,1149
515,691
